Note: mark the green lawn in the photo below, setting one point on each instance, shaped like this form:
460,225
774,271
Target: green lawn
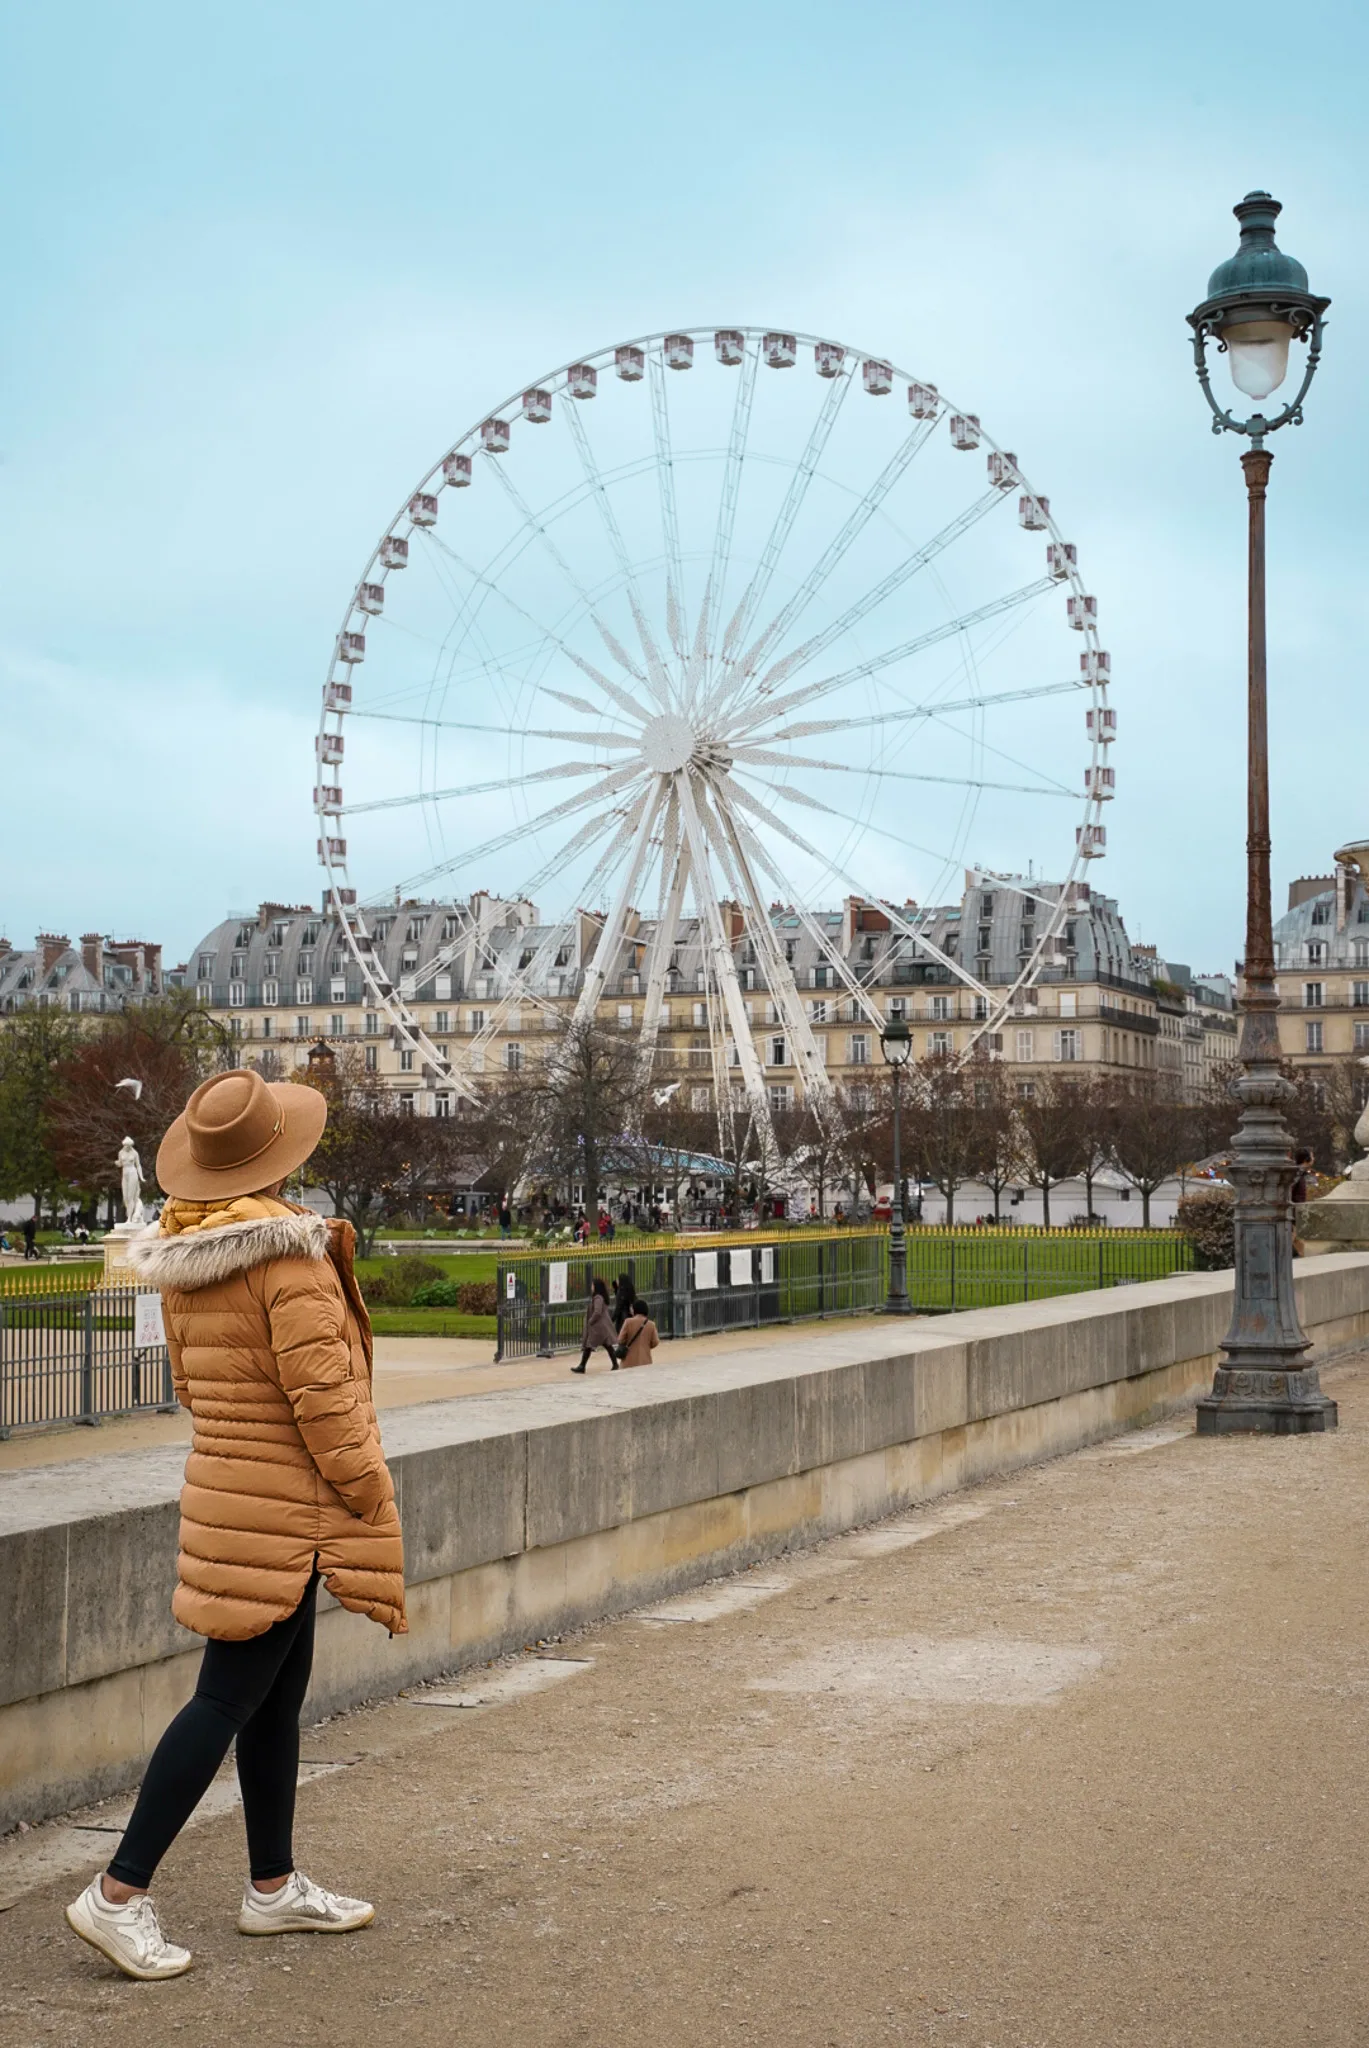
430,1322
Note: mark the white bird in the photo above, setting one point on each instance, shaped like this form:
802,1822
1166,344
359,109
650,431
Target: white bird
660,1095
136,1086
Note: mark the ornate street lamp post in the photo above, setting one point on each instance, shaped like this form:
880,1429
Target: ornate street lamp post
1257,305
896,1044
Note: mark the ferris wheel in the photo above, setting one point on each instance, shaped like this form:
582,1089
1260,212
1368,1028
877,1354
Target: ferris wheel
707,621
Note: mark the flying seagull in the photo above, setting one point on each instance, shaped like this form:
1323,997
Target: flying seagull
136,1086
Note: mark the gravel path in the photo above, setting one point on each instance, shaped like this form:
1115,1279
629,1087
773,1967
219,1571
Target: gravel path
1075,1758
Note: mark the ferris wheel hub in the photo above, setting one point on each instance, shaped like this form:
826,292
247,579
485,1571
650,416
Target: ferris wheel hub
668,743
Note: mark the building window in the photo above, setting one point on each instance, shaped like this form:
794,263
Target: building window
781,1097
239,965
698,1098
372,1024
270,991
408,962
301,1027
1321,913
267,1027
338,989
442,1105
406,1105
304,989
1313,1033
818,1012
981,1010
237,994
477,1020
337,1027
1024,1045
700,981
235,1027
940,1009
1316,952
370,1059
1362,1038
406,1060
625,1016
1069,1003
278,936
442,1022
1359,995
204,992
779,1053
1312,994
1067,1045
206,967
244,937
939,1043
1026,1090
858,1050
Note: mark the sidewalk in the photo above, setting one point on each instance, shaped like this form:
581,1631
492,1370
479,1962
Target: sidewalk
1075,1759
408,1370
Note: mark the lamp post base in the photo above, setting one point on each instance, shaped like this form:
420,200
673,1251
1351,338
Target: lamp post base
1266,1403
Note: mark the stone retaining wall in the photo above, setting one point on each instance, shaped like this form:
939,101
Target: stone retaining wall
546,1507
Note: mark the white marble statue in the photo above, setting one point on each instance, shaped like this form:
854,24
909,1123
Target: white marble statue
131,1183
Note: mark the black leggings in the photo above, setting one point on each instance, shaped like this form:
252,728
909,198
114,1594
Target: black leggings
591,1348
253,1690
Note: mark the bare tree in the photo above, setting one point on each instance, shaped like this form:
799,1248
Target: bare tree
942,1124
1053,1129
168,1047
999,1151
374,1159
1152,1135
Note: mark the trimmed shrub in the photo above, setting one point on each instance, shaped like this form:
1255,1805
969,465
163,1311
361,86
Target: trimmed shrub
438,1294
1208,1221
398,1282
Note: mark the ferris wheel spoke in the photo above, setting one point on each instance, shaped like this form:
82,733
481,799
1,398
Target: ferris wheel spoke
779,978
514,732
611,689
605,954
718,951
778,707
742,668
442,796
715,594
670,518
766,757
610,785
673,883
854,882
812,728
656,670
831,954
754,595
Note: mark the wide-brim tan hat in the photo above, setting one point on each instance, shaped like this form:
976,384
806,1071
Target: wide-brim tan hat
238,1134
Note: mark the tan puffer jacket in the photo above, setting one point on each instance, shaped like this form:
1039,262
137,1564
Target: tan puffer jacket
270,1347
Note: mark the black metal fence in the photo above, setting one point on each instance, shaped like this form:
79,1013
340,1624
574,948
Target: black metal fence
542,1301
692,1291
67,1357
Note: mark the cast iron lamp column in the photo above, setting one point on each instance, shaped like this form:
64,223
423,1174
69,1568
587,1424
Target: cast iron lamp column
1257,304
896,1044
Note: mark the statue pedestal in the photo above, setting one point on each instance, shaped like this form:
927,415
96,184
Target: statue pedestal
118,1272
1339,1222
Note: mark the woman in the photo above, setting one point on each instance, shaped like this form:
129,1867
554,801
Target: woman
598,1327
623,1295
639,1336
286,1484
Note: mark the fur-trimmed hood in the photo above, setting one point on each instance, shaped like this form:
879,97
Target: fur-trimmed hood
205,1257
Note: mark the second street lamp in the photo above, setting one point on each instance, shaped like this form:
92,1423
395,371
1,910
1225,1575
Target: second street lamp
1257,305
896,1044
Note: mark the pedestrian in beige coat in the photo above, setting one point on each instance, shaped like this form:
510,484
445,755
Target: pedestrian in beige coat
638,1336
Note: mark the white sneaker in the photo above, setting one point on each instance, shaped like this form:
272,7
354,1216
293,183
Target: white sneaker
129,1935
301,1907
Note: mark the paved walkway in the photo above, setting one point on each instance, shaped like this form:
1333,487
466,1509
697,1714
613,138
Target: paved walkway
407,1370
1077,1758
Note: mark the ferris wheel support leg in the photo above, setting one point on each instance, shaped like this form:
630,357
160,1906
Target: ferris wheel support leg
663,939
724,971
611,937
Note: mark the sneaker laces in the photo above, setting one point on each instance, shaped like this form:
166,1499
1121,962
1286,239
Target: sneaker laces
147,1928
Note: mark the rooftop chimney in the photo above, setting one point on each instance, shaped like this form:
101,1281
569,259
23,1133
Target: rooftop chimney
93,956
52,945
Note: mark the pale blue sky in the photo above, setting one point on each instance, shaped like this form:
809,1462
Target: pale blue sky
264,263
